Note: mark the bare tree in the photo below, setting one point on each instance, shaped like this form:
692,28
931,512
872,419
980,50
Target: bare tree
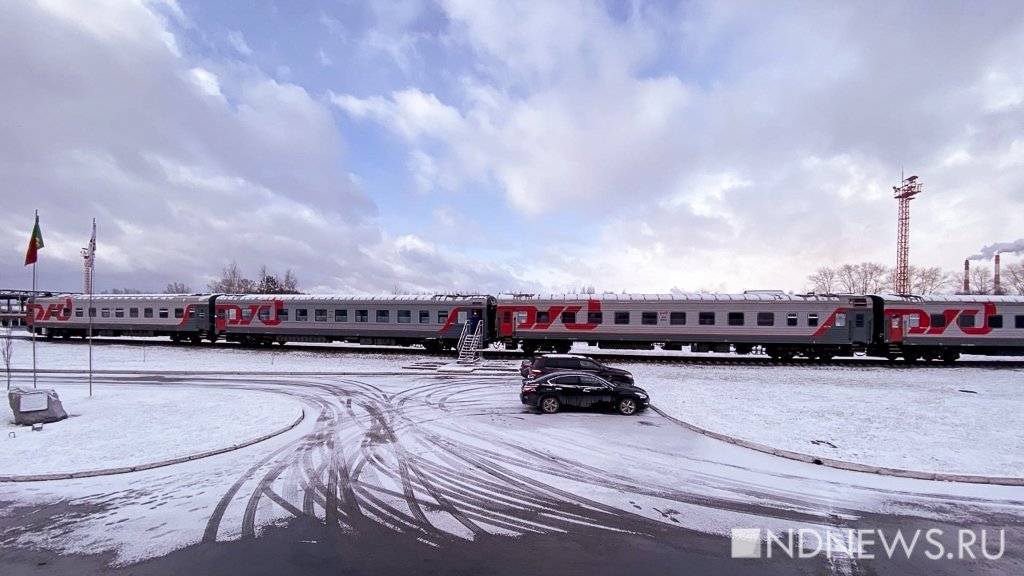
232,282
981,280
927,280
1013,277
863,278
824,280
7,350
177,288
289,284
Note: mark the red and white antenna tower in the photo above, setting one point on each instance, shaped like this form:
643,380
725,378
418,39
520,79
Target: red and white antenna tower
904,193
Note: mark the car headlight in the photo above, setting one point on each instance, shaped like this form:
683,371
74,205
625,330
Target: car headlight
641,396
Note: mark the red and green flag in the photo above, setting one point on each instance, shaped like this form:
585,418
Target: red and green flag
34,244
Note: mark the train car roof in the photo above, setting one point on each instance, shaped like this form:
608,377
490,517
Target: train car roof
350,298
939,298
757,296
130,297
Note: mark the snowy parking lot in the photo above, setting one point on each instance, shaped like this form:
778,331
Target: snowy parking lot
946,420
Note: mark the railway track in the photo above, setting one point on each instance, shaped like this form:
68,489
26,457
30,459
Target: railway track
609,356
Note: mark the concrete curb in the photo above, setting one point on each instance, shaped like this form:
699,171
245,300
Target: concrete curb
843,464
150,465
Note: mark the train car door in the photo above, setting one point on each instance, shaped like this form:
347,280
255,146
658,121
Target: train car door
896,328
860,329
510,318
506,326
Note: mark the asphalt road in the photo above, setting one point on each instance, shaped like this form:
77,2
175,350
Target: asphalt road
451,475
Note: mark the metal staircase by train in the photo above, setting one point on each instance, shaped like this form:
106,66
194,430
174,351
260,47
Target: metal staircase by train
469,343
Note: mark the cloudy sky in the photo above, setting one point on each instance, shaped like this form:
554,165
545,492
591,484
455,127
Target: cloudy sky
471,145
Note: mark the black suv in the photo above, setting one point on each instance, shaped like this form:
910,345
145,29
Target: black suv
549,363
582,390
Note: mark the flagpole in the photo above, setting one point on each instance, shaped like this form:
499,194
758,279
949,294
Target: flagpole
35,242
91,261
32,309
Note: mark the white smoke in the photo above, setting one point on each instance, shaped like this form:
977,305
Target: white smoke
1015,247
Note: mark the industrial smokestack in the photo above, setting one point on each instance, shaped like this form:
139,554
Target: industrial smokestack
995,279
967,276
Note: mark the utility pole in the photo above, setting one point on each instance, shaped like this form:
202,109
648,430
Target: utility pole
904,194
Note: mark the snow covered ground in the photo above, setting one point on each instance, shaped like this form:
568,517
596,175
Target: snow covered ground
132,426
965,421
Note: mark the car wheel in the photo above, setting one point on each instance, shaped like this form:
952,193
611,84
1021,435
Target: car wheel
627,406
549,405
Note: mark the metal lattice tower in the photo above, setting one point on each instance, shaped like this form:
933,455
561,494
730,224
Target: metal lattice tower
904,194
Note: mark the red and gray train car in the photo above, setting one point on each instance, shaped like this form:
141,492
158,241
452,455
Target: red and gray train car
781,325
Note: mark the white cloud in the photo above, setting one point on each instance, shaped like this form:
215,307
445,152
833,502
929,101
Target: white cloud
237,41
207,82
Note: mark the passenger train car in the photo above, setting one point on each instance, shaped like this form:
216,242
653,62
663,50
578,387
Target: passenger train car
783,325
818,326
436,322
943,327
178,316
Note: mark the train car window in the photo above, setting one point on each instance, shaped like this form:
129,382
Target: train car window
840,319
622,317
649,318
341,315
937,320
404,316
677,318
706,318
543,317
858,319
283,314
262,314
302,315
147,312
164,313
913,320
595,317
179,312
425,316
735,319
118,312
995,321
966,320
246,314
320,315
105,312
133,312
766,318
362,315
568,317
812,319
442,316
1018,321
79,313
92,312
791,319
